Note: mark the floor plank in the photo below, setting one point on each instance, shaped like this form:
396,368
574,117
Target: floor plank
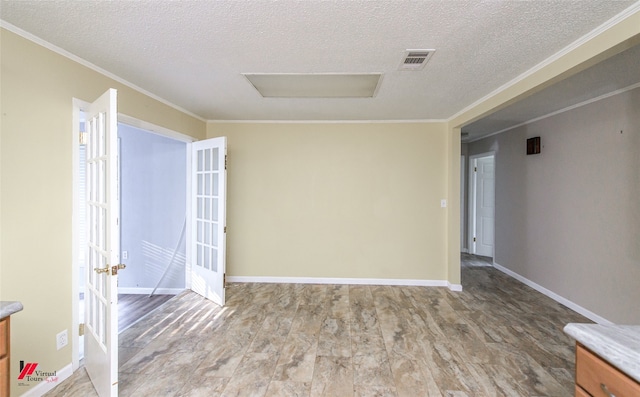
497,337
133,307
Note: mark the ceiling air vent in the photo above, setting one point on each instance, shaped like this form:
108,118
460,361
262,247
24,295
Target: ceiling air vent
415,59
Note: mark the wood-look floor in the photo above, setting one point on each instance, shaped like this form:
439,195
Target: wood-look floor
496,338
133,307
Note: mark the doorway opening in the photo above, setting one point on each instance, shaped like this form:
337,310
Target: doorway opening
203,227
481,220
153,208
152,187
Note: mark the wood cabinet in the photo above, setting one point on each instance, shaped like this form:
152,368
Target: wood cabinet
4,357
596,377
581,393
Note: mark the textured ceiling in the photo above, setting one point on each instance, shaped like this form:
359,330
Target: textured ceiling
193,53
616,73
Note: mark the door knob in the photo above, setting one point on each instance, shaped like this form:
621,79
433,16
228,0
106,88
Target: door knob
113,269
119,266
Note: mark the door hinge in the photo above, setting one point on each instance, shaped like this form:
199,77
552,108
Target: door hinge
475,169
81,330
224,280
225,161
225,229
474,239
84,137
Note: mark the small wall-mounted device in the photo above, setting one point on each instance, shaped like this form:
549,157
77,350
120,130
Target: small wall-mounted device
533,145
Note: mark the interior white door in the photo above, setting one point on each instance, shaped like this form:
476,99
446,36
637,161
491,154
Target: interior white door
485,206
208,218
103,240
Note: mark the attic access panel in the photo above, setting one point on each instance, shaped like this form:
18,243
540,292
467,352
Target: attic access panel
311,85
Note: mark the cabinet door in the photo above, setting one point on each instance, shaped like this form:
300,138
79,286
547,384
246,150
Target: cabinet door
580,392
595,375
4,376
4,339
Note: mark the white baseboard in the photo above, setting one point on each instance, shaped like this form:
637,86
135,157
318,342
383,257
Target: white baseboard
352,281
564,301
454,287
44,386
464,250
147,291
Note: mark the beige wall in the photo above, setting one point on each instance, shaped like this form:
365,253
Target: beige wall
568,218
453,206
36,196
355,200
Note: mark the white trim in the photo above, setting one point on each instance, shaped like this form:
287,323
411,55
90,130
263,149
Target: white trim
463,192
454,287
95,68
563,301
77,106
568,108
403,121
44,386
147,291
154,128
188,220
350,281
629,12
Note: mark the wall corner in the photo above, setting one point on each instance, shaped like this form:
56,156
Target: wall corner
453,208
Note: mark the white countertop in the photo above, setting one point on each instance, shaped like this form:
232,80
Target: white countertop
617,344
7,308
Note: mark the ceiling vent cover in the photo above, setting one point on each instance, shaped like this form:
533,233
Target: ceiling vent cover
415,59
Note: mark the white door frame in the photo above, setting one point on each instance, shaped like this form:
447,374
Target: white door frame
462,196
471,215
78,106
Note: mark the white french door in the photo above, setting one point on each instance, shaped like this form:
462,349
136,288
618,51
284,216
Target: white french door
208,218
484,213
103,245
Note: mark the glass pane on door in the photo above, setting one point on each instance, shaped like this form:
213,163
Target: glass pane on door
207,190
208,218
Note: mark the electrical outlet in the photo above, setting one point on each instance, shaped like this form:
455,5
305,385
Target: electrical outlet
125,254
443,203
62,339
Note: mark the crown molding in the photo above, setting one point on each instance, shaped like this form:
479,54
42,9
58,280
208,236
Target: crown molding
568,108
629,12
417,121
43,43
